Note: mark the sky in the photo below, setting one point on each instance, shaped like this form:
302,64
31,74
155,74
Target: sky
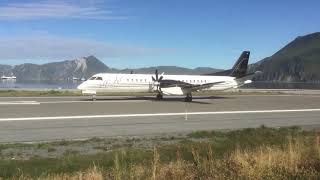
142,33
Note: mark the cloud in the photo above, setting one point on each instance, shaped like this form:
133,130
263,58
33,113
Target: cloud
59,9
53,48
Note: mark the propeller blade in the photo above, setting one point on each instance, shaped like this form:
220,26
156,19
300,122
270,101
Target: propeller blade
156,74
153,79
161,77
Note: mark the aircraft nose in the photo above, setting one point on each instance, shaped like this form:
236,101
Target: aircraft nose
80,86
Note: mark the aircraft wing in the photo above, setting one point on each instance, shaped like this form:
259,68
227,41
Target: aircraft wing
187,86
202,86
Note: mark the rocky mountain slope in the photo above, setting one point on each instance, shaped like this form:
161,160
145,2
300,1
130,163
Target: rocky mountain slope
299,61
80,68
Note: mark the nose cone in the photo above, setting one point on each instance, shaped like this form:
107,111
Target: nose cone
81,86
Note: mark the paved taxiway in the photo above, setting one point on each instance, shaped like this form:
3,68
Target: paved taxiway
35,118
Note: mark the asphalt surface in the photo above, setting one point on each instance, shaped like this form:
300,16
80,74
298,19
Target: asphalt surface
36,118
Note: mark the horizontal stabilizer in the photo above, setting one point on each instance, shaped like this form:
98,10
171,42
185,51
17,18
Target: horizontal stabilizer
247,79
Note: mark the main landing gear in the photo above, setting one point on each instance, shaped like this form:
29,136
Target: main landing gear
159,96
188,98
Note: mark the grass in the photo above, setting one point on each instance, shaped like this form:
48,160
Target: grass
32,93
261,153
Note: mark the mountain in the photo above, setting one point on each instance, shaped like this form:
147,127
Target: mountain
5,70
299,61
84,68
81,68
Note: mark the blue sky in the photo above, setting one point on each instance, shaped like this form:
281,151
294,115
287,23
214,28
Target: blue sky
139,33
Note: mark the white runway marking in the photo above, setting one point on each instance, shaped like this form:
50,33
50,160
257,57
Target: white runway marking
19,103
157,114
64,102
45,97
89,101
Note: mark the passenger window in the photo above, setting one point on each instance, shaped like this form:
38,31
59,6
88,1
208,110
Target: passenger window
99,78
92,78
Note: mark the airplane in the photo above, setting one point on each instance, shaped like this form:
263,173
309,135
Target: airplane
183,85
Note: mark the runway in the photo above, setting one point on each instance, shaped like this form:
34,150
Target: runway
39,118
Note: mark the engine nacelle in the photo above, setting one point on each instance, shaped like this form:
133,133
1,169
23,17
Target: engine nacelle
173,91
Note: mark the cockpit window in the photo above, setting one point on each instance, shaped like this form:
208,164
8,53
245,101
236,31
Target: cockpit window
92,78
99,78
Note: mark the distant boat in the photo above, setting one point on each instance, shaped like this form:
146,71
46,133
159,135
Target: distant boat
8,77
83,79
75,79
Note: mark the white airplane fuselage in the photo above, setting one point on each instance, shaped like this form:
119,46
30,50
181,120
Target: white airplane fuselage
110,82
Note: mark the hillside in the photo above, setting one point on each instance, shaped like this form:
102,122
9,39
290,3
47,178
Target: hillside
80,68
299,61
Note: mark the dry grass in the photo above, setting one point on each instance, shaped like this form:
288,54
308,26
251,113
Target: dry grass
275,162
295,160
92,173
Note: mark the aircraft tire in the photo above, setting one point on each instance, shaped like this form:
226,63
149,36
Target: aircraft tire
188,98
159,96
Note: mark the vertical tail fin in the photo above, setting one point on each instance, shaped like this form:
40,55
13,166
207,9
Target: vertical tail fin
239,69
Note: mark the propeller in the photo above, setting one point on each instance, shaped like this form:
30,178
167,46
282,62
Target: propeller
156,80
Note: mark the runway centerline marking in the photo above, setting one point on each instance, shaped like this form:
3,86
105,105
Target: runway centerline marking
97,101
19,103
156,114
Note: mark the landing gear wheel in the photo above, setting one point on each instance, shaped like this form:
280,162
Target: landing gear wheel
188,98
94,98
159,96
